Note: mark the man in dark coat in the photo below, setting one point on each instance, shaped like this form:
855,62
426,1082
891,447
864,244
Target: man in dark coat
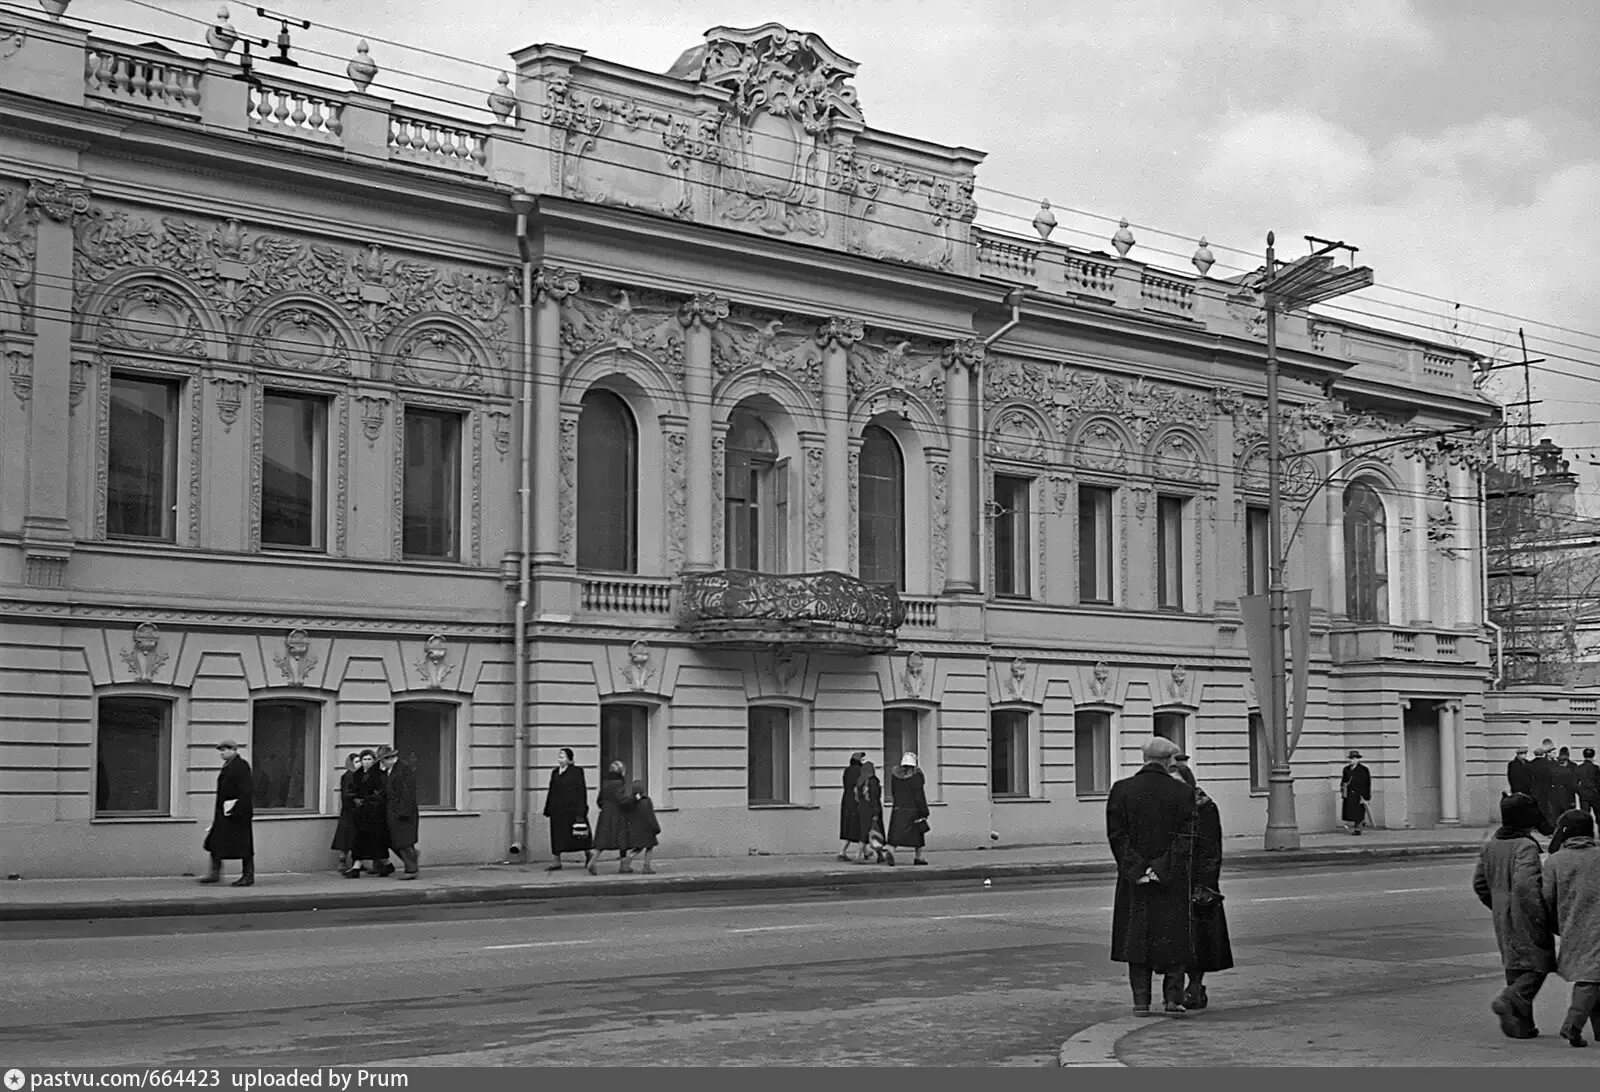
1589,784
1149,823
230,837
1355,789
400,793
1517,774
1563,784
1541,786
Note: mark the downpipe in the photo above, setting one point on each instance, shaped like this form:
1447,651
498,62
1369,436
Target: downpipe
523,204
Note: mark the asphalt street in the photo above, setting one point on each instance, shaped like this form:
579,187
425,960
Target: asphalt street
951,975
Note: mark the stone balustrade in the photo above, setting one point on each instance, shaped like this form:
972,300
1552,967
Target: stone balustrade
131,76
303,113
612,594
1367,643
1006,258
438,142
921,611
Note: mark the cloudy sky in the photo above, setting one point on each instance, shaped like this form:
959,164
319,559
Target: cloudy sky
1455,141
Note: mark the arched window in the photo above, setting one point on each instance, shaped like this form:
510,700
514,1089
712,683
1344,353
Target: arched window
755,497
882,509
1366,555
608,446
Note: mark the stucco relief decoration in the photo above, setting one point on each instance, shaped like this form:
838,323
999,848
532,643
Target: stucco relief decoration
677,498
1061,491
785,667
19,366
1177,458
912,679
60,201
752,341
145,657
297,660
719,451
437,356
1070,396
638,672
890,369
1177,684
624,319
1017,679
12,39
77,383
1141,499
816,508
374,408
230,397
900,213
702,309
1100,683
568,498
500,430
787,90
151,317
242,270
434,667
303,339
1018,436
626,152
1099,447
18,246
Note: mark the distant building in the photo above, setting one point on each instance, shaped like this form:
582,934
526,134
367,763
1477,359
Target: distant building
803,482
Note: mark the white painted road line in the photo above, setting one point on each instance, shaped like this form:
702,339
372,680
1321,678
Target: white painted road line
1389,891
540,944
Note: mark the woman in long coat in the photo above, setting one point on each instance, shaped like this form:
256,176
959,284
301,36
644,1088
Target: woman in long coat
869,813
611,829
1208,928
566,805
850,831
370,811
908,822
344,835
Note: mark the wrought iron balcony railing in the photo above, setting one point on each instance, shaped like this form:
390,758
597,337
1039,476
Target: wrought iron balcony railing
733,608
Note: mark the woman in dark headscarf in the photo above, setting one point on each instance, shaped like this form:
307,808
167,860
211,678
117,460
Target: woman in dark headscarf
1208,922
850,831
611,829
868,803
344,835
370,813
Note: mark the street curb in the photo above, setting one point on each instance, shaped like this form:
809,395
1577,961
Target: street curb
414,895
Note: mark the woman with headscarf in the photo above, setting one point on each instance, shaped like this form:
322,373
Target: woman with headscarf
908,822
868,792
369,810
344,835
611,829
566,805
850,831
1208,922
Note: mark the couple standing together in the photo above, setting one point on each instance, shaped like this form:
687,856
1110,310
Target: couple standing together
1166,836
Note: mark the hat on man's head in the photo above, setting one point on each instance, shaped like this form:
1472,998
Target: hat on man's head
1522,750
386,752
1353,754
1181,756
1159,750
1519,812
1588,752
228,745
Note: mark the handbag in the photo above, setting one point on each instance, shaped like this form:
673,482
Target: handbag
1206,898
921,826
580,829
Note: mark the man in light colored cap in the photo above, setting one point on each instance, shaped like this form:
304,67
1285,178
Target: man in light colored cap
1149,823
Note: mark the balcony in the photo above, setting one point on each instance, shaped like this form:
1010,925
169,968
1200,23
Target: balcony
827,611
1368,643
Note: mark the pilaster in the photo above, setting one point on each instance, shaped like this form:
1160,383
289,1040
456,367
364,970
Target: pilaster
960,360
836,335
698,316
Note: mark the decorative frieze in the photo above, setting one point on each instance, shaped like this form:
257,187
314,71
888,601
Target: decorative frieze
297,660
816,508
892,367
434,667
754,341
624,319
145,656
568,495
677,484
18,247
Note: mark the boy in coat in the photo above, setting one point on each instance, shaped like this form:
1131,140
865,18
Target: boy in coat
644,829
1507,881
400,802
1570,887
230,837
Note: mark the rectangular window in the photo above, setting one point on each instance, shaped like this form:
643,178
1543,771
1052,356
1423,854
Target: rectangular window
625,737
432,488
133,757
1011,535
425,736
901,735
283,755
1173,727
1008,753
1091,732
1094,544
1169,553
142,459
769,755
1260,761
1256,546
293,471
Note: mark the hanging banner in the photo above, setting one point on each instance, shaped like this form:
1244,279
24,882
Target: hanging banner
1255,612
1299,603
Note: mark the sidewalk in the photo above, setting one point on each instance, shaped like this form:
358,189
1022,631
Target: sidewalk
130,897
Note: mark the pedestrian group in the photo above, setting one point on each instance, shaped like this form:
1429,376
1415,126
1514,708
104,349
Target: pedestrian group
861,811
627,823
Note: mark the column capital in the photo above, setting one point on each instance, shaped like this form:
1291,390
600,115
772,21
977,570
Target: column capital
840,331
555,282
964,354
702,309
59,200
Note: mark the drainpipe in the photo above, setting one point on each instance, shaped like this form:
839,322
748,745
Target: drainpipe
523,204
1014,299
1483,553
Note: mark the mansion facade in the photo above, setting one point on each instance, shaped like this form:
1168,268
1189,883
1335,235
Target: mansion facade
713,403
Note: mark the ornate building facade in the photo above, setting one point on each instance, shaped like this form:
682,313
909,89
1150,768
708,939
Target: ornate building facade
810,464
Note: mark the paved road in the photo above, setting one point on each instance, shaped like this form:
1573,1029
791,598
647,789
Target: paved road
947,976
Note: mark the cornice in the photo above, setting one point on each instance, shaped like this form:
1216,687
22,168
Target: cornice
83,614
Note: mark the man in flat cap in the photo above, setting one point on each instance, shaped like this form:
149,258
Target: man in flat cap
1517,774
1150,823
230,837
1355,789
400,800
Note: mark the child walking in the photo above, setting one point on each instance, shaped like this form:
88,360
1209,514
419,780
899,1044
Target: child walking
643,829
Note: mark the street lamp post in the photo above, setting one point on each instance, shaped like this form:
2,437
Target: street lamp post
1308,280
